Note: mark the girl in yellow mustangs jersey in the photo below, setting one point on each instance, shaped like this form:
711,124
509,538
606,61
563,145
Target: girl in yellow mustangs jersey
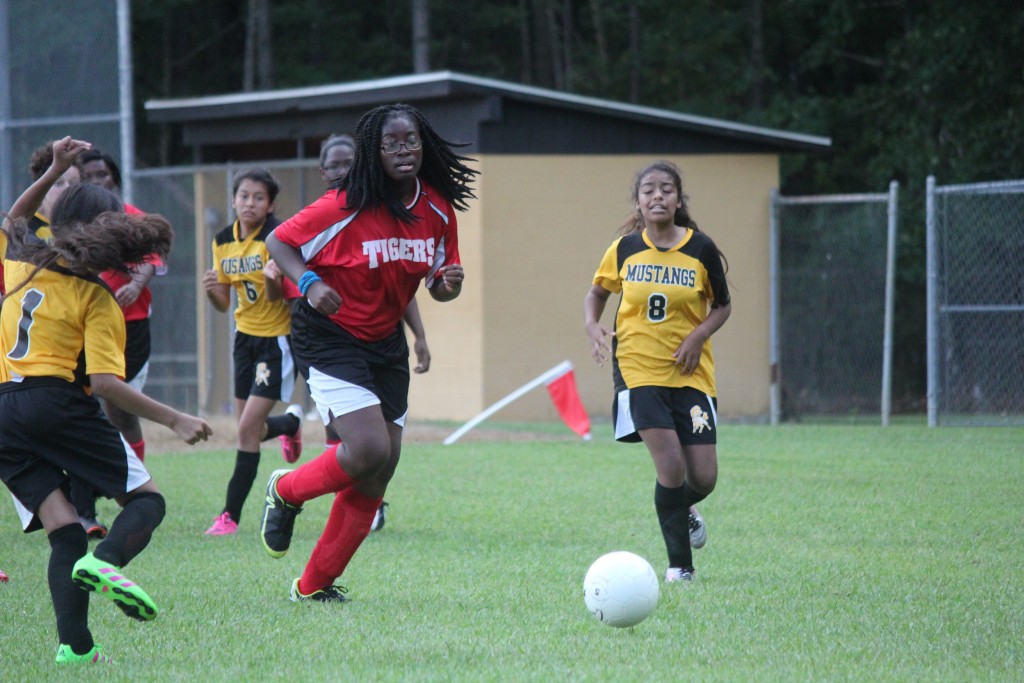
674,297
264,369
62,341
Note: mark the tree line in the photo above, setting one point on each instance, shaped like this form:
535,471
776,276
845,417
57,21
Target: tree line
905,88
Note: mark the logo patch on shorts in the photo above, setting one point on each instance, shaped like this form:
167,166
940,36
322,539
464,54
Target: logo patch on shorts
263,375
699,419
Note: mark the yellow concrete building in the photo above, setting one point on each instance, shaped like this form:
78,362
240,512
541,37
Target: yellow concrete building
556,175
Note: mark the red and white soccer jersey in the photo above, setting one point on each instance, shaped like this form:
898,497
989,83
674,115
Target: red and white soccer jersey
373,260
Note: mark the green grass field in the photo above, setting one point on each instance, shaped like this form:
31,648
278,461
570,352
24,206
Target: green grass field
834,554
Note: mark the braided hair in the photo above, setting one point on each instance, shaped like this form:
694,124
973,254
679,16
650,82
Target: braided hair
368,185
91,234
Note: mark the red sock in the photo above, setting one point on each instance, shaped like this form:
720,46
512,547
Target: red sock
347,526
333,443
319,476
140,448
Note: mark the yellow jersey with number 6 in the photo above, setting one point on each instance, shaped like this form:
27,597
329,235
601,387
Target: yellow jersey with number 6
239,262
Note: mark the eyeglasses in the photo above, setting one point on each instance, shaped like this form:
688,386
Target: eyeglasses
412,145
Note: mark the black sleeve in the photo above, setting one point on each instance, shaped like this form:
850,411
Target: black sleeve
712,262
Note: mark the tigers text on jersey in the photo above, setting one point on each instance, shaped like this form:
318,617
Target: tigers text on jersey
57,319
239,262
373,260
665,295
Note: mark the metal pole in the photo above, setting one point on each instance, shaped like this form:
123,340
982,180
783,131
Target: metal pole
890,297
125,109
932,297
6,152
775,390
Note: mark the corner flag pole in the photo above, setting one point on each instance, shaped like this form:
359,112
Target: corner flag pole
559,369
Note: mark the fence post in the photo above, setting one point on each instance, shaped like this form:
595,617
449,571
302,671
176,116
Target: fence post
931,297
775,388
890,296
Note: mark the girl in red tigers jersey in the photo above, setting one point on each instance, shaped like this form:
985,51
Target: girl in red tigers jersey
674,297
358,256
62,336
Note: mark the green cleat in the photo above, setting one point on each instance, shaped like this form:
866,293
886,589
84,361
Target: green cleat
93,574
278,519
65,655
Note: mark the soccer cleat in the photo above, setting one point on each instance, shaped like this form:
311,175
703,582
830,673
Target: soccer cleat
698,532
65,655
93,574
278,519
93,527
380,517
291,446
3,577
679,574
329,594
223,526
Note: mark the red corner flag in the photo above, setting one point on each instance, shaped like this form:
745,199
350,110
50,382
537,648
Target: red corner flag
567,401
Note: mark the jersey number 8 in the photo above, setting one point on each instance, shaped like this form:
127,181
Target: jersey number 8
657,307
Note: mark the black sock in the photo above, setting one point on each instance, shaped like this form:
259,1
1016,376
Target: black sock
282,424
246,464
692,497
132,529
68,545
674,517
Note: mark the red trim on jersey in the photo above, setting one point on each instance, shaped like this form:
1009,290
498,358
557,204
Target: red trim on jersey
140,309
289,290
370,258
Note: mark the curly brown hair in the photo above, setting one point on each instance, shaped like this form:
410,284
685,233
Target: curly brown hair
40,160
109,240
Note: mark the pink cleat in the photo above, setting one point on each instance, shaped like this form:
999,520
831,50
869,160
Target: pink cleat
291,446
223,526
3,577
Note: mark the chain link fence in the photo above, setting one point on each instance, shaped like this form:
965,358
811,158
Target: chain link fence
832,272
55,83
975,295
190,364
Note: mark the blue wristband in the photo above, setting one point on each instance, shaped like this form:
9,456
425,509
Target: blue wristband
307,280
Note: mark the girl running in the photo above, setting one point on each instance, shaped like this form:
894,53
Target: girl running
674,297
264,369
358,257
62,336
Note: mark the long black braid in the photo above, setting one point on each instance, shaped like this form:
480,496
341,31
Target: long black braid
367,185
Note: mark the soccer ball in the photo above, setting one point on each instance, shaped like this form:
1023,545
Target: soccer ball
620,589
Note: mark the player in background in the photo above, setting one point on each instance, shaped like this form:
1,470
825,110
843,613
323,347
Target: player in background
358,256
264,368
673,298
51,425
131,289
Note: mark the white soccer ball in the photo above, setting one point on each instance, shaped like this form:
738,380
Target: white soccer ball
620,589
